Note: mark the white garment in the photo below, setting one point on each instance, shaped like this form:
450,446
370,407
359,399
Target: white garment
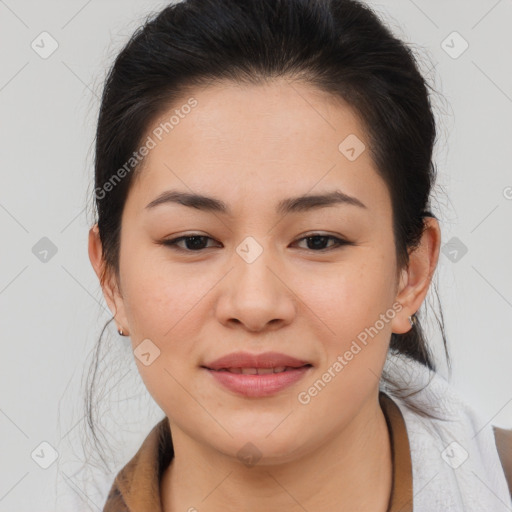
455,463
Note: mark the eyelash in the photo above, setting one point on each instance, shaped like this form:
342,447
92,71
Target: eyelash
172,243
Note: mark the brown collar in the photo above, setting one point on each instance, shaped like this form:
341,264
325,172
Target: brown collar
401,490
136,487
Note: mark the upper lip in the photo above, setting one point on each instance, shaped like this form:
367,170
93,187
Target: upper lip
247,360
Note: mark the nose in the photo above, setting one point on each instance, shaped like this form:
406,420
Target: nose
256,295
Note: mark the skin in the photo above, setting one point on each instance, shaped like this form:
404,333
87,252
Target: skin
252,146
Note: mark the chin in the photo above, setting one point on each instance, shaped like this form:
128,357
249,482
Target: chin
254,446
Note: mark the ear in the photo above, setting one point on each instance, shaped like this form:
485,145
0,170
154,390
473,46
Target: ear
108,282
416,278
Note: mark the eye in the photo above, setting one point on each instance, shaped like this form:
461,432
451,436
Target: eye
317,241
193,243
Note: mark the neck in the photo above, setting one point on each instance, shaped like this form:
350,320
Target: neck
334,476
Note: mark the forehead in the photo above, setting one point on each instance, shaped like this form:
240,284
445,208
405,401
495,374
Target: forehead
260,140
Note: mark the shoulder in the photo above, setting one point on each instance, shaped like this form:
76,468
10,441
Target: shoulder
115,501
504,445
446,433
136,486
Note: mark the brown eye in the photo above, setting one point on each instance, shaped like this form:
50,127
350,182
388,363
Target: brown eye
317,242
193,243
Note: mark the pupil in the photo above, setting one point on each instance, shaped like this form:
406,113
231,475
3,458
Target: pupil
320,239
196,244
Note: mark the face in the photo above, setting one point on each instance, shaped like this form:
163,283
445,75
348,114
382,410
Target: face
315,280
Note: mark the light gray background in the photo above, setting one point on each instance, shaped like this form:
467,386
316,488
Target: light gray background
52,312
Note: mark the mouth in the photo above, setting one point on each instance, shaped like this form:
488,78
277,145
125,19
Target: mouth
257,375
256,363
260,371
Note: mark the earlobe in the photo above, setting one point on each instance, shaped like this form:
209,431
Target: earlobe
416,278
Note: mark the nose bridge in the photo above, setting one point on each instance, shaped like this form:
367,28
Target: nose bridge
254,261
255,296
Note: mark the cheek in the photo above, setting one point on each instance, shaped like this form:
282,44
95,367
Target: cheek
354,334
159,297
163,308
351,296
355,309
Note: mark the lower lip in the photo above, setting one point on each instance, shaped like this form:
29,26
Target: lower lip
258,385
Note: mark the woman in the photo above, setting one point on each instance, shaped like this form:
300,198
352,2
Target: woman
264,236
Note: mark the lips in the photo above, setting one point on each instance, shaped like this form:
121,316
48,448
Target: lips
258,371
257,375
252,364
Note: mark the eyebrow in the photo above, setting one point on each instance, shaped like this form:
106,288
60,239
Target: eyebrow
290,205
